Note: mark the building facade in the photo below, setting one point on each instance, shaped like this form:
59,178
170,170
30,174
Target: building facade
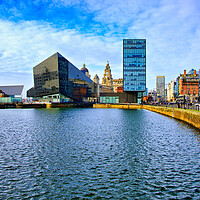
160,88
85,71
153,94
171,95
96,80
117,83
189,86
107,79
11,94
134,69
58,80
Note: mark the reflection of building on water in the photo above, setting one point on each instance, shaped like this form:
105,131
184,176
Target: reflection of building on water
58,80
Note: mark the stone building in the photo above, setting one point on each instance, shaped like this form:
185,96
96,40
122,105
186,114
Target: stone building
107,79
171,95
96,80
85,71
117,83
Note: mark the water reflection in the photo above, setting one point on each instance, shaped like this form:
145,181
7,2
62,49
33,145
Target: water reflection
97,154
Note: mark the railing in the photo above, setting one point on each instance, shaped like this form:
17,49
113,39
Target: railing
190,106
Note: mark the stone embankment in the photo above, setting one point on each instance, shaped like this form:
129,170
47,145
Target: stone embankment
119,106
189,116
54,105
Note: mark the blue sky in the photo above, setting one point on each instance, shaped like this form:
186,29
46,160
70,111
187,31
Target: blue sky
91,32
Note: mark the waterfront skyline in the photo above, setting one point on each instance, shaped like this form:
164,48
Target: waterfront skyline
92,32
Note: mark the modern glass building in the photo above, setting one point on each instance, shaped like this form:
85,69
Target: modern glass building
134,69
58,80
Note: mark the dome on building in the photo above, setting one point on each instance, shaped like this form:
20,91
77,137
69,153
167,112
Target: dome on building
84,69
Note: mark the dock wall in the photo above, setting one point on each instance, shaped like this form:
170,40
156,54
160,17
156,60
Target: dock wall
189,116
119,106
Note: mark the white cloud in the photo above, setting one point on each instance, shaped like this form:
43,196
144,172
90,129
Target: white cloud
172,33
170,27
26,44
172,30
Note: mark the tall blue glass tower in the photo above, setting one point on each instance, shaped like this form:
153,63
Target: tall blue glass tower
134,68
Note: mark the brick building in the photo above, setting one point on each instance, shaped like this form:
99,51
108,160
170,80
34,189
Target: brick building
189,86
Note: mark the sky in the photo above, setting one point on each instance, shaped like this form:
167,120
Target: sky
92,32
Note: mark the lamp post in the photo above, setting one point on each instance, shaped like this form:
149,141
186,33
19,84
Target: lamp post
199,88
188,99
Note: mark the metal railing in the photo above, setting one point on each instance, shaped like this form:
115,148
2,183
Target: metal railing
190,106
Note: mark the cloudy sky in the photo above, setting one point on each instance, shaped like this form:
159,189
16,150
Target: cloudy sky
91,32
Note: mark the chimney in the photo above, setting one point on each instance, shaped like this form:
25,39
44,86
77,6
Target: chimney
195,72
184,72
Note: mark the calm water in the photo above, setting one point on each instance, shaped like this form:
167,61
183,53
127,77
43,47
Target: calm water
97,154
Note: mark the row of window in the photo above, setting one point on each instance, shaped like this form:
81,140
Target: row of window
135,51
134,69
139,78
135,74
134,60
134,47
134,64
134,56
135,41
134,89
108,99
131,80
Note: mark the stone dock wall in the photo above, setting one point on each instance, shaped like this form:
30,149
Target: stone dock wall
189,116
119,106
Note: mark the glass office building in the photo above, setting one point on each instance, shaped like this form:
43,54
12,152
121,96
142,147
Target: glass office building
134,68
58,79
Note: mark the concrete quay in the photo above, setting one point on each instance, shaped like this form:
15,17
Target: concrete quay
189,116
54,105
119,106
